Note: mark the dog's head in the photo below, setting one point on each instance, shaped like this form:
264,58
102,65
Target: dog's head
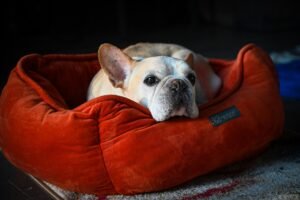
165,85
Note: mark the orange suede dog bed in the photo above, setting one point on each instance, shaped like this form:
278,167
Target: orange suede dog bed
111,145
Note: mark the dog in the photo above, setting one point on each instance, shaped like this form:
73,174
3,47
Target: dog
168,79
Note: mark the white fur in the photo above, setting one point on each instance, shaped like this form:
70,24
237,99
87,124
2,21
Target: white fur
166,61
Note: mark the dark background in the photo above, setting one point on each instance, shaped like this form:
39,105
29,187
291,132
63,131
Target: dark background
215,28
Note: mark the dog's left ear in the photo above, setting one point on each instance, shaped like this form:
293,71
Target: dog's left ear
116,64
185,55
189,59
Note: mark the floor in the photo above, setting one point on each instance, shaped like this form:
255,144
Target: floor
210,41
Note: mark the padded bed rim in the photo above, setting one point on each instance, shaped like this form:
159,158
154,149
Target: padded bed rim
49,100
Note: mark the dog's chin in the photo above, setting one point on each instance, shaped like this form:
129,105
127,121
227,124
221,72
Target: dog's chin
166,104
163,113
181,111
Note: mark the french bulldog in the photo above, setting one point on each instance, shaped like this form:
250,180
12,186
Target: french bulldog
169,79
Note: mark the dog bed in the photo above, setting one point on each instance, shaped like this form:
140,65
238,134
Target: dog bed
111,145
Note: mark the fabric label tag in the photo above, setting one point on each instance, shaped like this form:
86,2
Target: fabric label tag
224,116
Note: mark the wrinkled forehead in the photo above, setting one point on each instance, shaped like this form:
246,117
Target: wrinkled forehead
163,66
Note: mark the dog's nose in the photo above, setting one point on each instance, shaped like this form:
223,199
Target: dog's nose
177,85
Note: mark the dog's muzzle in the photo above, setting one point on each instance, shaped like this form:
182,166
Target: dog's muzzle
177,85
174,98
179,92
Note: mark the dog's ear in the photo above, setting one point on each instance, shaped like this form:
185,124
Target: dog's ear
189,59
116,64
185,55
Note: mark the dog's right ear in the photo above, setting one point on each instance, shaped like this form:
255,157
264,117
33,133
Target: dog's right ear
116,64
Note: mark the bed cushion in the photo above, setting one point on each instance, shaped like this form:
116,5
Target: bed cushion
111,145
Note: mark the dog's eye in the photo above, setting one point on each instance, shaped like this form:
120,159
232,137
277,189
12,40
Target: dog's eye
151,80
191,78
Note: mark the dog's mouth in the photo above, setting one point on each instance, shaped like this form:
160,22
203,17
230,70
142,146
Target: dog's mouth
181,105
166,108
179,112
174,99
